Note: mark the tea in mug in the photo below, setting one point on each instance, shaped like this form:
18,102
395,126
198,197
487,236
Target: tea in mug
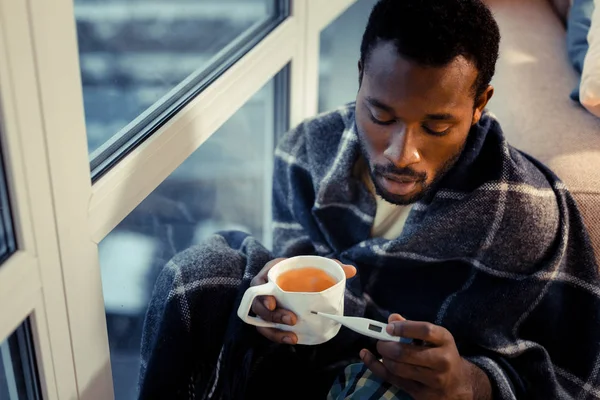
307,279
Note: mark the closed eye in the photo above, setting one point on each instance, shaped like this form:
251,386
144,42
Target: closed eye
380,122
434,132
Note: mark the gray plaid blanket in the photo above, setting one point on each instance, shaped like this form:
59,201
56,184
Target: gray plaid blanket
498,255
357,382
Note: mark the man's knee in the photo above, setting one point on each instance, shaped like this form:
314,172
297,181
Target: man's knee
212,259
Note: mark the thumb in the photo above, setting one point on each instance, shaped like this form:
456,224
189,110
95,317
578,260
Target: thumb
272,263
349,270
395,317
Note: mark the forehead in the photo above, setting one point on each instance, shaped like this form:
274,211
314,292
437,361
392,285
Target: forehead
398,82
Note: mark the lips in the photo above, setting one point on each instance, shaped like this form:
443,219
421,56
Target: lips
400,179
400,186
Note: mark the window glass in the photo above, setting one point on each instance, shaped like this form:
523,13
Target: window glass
225,184
7,236
18,380
340,52
141,60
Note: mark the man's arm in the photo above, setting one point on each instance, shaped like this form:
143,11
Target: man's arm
480,383
505,382
292,197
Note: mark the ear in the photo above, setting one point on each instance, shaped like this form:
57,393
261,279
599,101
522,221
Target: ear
360,73
481,102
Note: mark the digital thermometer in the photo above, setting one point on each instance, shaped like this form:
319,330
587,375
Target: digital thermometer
364,326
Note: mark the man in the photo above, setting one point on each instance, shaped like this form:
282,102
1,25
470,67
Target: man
461,242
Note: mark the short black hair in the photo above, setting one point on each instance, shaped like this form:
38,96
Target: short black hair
435,32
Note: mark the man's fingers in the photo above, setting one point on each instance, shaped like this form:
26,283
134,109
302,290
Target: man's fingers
262,277
411,387
425,331
433,358
278,336
349,270
415,373
395,317
281,316
271,314
268,302
259,279
272,263
375,365
263,306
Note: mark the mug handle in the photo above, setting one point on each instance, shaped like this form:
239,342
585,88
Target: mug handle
244,308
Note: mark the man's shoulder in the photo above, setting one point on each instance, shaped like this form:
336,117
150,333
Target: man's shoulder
528,186
334,122
506,163
320,134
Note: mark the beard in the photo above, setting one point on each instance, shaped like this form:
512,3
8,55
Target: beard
424,189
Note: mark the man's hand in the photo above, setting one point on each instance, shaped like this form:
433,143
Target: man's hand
266,307
432,371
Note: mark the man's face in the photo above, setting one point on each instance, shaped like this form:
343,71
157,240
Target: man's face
413,121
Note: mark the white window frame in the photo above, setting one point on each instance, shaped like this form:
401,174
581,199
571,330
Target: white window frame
55,276
31,281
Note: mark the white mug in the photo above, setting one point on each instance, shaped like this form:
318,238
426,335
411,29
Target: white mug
310,329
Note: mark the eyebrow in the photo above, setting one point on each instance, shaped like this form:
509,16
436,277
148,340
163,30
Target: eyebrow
440,117
431,117
376,103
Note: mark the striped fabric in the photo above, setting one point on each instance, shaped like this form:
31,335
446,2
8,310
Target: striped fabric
498,255
357,382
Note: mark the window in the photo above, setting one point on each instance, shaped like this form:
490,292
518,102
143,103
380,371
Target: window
158,78
340,52
225,184
7,237
17,366
141,61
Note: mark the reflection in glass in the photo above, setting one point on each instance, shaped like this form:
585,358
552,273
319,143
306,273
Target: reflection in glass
340,52
225,184
18,378
139,58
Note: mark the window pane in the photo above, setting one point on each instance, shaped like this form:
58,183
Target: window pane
225,184
340,52
141,59
7,236
18,379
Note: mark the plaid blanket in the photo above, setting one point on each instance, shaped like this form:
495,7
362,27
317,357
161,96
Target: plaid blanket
498,255
357,382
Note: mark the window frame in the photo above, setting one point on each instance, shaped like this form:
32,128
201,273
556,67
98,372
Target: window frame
60,216
17,351
31,285
152,119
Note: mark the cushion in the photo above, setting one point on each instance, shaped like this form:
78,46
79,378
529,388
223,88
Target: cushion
531,75
589,88
578,26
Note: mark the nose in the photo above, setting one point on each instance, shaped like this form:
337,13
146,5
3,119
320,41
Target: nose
402,150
